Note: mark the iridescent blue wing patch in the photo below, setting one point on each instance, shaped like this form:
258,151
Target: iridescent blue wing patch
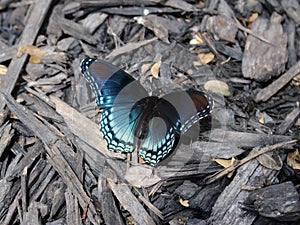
107,81
117,128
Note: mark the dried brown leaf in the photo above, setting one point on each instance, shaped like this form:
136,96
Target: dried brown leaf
184,203
293,160
226,163
270,160
206,57
3,69
155,69
34,52
197,40
262,118
217,86
296,80
38,55
252,18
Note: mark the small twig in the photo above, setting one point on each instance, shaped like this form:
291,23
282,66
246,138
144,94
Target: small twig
146,201
24,190
234,166
241,27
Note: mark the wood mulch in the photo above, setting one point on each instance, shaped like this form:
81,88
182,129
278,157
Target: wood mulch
54,164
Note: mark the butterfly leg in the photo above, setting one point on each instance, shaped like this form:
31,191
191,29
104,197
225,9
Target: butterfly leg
128,161
134,157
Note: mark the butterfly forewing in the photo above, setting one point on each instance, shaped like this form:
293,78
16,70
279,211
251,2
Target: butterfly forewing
107,81
191,105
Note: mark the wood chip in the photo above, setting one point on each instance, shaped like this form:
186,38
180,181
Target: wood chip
261,60
275,86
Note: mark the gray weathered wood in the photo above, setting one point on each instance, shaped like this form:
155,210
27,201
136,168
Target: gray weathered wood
108,204
38,13
262,61
73,214
54,147
289,121
275,86
130,203
279,201
227,209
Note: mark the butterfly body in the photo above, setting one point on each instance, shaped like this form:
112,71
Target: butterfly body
141,130
133,120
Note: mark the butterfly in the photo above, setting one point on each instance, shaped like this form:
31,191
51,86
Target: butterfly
133,120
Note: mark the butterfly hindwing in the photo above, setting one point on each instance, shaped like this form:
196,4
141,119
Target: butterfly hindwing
117,127
163,135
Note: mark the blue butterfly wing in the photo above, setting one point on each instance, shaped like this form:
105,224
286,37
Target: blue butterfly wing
191,105
117,126
108,81
117,92
163,133
175,113
161,140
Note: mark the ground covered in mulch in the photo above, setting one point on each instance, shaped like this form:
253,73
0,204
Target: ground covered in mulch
241,167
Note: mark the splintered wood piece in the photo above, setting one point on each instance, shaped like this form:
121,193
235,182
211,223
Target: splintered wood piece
222,26
292,8
262,61
55,146
201,155
227,170
8,53
130,203
79,125
129,47
161,26
289,121
245,139
39,180
279,201
227,209
32,216
6,134
180,5
109,208
75,30
27,160
73,214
